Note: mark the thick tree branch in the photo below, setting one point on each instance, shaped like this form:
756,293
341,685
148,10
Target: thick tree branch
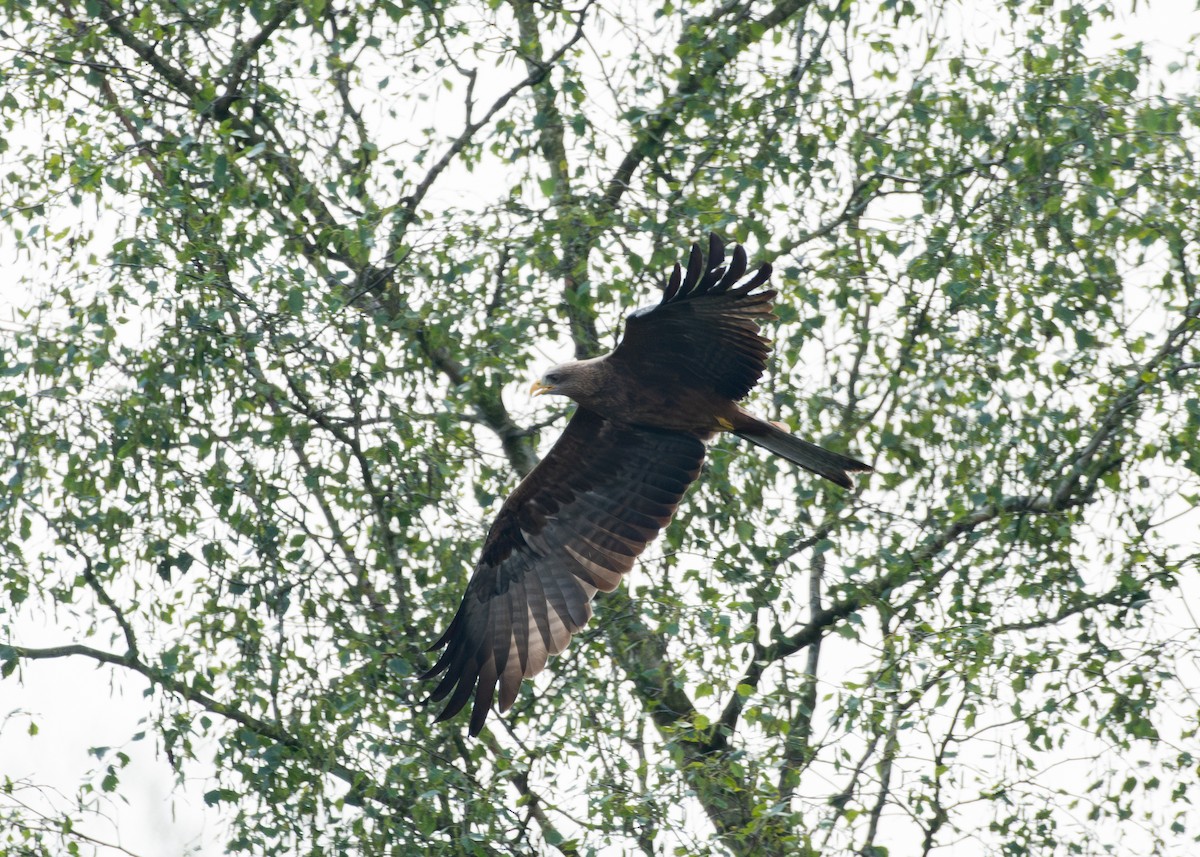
708,45
642,656
174,77
327,242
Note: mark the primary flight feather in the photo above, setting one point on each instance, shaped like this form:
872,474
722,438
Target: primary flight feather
612,481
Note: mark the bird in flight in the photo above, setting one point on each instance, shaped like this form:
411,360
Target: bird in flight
612,481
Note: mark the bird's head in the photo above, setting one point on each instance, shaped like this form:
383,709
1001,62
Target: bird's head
577,379
556,380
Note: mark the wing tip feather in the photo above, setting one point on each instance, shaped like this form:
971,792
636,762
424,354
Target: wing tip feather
705,275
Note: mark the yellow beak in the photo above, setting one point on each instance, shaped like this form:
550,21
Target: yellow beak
538,388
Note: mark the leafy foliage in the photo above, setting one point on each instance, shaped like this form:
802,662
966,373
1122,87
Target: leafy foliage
286,264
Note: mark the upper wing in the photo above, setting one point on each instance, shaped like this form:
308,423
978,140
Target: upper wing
704,332
572,527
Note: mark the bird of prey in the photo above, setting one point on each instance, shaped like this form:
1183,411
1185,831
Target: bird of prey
612,481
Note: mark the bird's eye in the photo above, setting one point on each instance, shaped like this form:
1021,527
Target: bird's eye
553,377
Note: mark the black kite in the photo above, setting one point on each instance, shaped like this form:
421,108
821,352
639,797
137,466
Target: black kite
577,522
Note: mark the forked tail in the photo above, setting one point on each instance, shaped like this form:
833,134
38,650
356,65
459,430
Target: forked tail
834,467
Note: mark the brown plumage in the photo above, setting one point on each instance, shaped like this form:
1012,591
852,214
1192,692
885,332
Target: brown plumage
612,481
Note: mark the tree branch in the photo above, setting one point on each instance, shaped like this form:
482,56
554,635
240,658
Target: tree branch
797,749
824,619
1141,379
891,748
554,151
520,780
697,36
489,405
362,786
409,205
642,656
247,50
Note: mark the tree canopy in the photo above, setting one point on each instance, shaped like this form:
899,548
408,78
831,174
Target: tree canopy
286,270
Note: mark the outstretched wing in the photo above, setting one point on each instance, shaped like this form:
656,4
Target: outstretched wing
704,331
573,527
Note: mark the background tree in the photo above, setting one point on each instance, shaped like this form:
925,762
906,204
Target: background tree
289,266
